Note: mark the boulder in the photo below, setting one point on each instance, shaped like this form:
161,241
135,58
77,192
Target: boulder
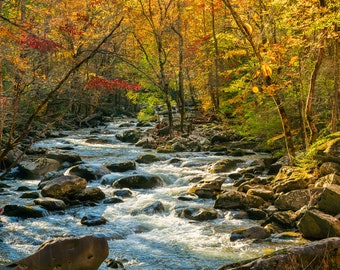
199,214
146,142
255,232
121,166
88,171
291,178
64,156
124,193
30,195
256,214
296,199
329,201
156,207
324,254
238,200
317,225
207,188
265,194
37,168
329,168
225,165
82,253
63,187
130,136
24,211
139,181
333,179
148,158
50,204
93,220
90,194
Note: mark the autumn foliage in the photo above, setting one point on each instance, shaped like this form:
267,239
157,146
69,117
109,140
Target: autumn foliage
96,82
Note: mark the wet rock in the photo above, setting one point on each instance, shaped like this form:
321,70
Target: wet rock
291,178
90,194
24,211
88,171
199,214
329,179
122,166
37,168
151,209
124,193
130,136
146,142
14,155
275,167
329,201
318,225
113,200
114,264
148,159
296,199
98,141
310,256
238,200
64,186
256,214
50,204
284,219
266,194
93,220
225,165
207,188
139,181
64,156
82,253
329,168
23,188
256,232
30,195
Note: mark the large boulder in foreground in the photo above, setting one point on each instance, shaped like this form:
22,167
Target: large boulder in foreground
64,186
323,254
37,168
139,181
83,253
318,225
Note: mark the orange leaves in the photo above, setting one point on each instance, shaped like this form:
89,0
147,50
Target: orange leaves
248,28
266,70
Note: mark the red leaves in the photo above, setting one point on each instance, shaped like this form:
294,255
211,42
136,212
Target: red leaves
42,45
97,82
70,29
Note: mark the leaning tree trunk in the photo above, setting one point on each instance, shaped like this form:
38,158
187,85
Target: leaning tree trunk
335,110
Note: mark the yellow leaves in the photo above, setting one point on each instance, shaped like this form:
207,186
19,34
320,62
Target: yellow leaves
255,90
293,60
266,70
257,73
248,28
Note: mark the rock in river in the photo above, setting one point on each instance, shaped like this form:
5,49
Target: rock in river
139,181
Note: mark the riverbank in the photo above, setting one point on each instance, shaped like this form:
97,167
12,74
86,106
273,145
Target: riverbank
207,189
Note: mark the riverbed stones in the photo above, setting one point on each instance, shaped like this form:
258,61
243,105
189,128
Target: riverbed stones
156,207
64,156
37,168
323,254
224,165
50,204
130,136
329,201
329,179
93,220
63,187
199,214
121,166
79,253
88,171
139,181
296,199
255,232
24,211
148,159
90,194
238,200
207,188
318,225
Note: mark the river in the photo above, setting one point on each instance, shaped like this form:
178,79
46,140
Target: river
159,241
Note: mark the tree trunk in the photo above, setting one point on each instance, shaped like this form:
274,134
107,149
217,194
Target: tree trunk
215,72
335,110
309,103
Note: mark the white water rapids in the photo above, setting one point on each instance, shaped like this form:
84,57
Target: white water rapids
148,242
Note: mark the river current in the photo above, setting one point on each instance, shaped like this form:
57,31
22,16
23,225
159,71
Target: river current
148,242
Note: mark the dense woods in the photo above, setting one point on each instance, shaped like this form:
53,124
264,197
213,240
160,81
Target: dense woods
269,69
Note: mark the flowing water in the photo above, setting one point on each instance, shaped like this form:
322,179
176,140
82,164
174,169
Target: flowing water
159,241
